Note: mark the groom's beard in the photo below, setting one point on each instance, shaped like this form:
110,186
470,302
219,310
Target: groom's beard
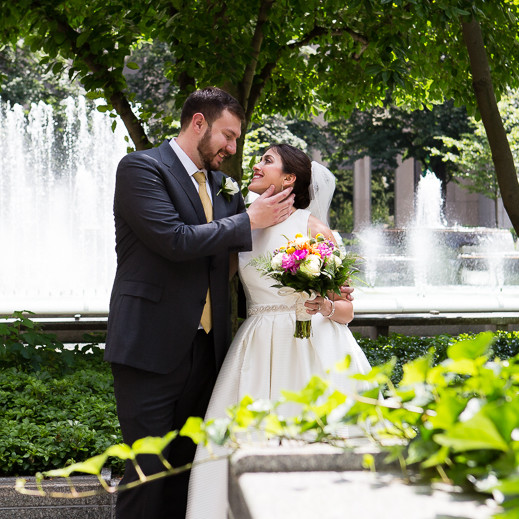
207,155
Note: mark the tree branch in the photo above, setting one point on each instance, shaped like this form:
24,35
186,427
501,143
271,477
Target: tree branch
322,31
264,75
256,43
112,92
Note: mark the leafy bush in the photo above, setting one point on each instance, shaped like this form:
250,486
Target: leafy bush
23,345
404,348
408,348
48,421
57,404
456,421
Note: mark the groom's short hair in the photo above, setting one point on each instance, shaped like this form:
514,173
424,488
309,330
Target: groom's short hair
210,101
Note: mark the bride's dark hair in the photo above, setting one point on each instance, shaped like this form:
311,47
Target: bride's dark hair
297,162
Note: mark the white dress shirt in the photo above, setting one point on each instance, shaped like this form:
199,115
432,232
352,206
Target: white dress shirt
190,166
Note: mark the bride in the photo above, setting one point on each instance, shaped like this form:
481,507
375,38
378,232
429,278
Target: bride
264,357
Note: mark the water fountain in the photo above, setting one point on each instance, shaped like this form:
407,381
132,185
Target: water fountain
57,176
430,266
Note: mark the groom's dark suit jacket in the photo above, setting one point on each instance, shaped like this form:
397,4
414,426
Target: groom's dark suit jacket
167,256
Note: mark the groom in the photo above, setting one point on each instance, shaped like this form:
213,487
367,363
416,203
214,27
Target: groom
168,326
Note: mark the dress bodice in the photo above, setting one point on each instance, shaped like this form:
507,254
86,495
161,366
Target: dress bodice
258,288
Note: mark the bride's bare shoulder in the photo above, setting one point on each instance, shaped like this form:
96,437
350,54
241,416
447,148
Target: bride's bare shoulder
315,227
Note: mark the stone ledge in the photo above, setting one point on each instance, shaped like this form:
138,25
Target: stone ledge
14,505
299,457
305,482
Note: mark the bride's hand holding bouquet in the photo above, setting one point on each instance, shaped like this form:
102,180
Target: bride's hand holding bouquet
311,267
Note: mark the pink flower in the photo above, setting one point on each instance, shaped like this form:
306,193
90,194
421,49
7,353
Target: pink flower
325,249
300,255
289,263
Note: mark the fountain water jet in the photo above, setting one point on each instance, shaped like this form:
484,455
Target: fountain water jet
57,178
430,266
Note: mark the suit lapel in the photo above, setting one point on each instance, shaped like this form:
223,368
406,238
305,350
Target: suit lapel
179,173
219,203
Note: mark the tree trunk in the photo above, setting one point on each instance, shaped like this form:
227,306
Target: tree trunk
486,100
133,125
233,165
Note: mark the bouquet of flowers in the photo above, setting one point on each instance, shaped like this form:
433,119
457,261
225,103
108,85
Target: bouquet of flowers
308,265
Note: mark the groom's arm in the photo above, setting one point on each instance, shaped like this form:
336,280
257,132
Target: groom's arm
144,204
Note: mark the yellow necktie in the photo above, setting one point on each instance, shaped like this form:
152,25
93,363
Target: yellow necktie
206,321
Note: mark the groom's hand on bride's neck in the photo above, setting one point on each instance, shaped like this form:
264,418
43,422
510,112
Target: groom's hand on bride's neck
270,209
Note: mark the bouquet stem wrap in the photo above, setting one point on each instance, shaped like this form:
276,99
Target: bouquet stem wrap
303,318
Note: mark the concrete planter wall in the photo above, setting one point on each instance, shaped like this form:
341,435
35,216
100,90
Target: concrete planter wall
18,506
318,481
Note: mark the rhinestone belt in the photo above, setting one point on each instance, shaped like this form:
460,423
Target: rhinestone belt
269,309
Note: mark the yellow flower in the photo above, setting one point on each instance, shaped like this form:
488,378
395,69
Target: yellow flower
299,235
291,250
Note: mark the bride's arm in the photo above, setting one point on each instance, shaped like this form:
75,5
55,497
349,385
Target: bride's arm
335,307
316,227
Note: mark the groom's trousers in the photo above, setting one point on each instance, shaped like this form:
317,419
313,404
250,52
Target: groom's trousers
151,404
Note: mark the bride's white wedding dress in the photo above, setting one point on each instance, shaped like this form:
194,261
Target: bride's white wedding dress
265,358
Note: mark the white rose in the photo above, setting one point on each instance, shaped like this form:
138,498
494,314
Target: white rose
231,186
311,266
337,260
277,261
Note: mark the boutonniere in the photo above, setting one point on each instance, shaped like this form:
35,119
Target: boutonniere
229,188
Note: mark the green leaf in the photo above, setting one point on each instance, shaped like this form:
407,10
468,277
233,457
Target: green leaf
505,416
82,38
508,486
479,432
471,348
368,462
273,425
193,428
91,466
218,430
243,416
121,451
462,366
447,410
332,402
440,457
309,394
132,65
378,374
153,444
343,365
415,372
